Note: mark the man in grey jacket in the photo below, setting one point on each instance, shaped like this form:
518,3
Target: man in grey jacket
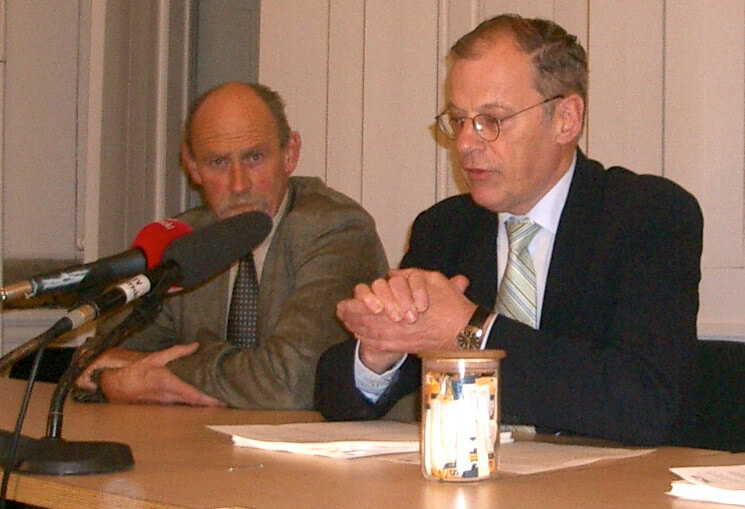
240,151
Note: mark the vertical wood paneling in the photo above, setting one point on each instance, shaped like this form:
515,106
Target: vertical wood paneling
400,104
704,121
40,151
626,97
705,141
457,17
345,88
527,8
181,46
2,123
2,32
293,60
93,120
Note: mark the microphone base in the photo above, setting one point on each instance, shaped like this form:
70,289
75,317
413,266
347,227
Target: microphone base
26,447
52,456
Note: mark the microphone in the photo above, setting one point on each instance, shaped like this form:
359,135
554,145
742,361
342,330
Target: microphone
188,261
146,252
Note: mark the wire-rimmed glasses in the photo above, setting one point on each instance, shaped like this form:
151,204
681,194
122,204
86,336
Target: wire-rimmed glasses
486,125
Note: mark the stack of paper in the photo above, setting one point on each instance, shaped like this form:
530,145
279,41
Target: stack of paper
725,485
330,439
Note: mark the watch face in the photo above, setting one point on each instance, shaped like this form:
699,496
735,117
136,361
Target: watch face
470,338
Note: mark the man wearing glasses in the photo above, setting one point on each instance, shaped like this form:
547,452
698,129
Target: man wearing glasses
586,277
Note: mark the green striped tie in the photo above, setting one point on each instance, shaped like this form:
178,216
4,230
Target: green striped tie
517,294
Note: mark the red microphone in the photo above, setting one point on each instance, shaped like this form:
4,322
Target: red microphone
148,248
154,238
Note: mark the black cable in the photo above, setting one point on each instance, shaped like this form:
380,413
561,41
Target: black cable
10,458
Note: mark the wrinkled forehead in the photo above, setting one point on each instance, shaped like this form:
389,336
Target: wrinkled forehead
232,116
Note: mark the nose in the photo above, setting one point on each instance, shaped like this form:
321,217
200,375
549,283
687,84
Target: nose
240,180
468,139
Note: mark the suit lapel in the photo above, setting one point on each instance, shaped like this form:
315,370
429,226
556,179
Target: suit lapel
274,277
480,261
573,249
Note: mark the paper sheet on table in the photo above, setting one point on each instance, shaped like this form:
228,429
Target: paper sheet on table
722,484
527,457
331,439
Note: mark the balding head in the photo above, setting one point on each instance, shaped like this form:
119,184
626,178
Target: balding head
236,91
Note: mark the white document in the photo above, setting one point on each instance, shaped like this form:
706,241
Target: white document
723,484
331,439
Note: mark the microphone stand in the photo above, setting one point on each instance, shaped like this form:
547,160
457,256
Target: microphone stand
56,456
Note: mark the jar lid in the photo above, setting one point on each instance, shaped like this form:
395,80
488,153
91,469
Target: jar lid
463,354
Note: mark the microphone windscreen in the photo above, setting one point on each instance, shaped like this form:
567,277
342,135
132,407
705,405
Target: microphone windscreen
210,250
155,237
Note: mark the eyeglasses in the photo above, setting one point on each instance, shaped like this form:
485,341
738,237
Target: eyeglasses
487,126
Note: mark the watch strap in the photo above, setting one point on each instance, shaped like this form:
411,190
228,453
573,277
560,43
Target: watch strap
479,317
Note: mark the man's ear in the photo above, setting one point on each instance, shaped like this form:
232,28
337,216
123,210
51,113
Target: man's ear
569,113
292,151
187,159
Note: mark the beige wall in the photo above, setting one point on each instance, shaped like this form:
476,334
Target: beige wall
363,80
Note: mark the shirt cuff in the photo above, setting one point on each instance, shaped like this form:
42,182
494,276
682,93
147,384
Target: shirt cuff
490,323
371,384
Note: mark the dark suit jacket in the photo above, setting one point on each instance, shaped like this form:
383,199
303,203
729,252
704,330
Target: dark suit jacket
324,245
616,340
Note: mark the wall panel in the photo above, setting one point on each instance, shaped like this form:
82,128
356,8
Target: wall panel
293,60
400,104
705,144
40,97
626,97
346,58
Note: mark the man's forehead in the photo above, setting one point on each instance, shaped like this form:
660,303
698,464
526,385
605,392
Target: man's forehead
230,119
494,78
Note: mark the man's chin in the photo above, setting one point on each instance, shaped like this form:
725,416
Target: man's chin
487,198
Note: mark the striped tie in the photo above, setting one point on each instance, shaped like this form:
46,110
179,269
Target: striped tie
517,294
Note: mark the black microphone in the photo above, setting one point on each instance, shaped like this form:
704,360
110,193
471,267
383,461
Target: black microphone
188,262
146,252
195,257
192,258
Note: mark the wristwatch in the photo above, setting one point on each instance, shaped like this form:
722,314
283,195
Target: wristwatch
470,337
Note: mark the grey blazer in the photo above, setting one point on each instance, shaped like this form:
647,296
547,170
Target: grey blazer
325,244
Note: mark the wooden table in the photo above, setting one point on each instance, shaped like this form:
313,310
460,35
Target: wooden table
180,463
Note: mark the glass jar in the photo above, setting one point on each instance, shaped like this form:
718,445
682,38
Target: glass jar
460,414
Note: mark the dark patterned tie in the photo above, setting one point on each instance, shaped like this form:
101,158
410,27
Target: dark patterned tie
244,305
517,293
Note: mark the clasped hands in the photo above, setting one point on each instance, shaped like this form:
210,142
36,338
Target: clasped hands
410,312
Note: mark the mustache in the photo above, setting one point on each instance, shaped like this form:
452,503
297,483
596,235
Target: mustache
245,202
